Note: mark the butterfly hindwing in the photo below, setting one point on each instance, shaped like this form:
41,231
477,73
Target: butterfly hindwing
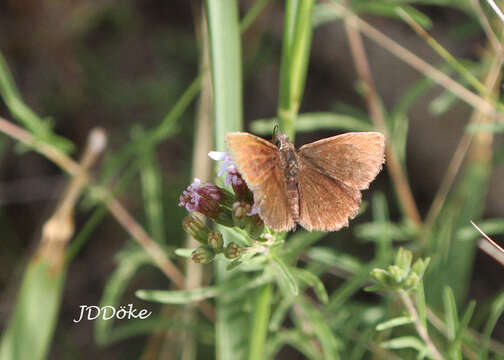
325,204
259,163
353,158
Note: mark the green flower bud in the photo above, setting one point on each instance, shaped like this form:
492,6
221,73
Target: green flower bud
255,227
224,217
420,266
203,255
411,281
215,241
232,251
195,227
381,276
240,211
403,259
397,273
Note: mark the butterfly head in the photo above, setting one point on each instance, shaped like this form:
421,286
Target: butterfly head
281,140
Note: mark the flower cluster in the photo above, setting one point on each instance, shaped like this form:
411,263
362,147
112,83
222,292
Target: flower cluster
223,207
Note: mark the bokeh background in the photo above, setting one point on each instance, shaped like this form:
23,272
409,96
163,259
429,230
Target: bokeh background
122,65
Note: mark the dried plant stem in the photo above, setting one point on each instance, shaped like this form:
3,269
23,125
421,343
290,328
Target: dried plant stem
58,230
422,331
53,154
449,58
496,9
497,46
376,112
490,247
462,149
116,209
419,64
492,250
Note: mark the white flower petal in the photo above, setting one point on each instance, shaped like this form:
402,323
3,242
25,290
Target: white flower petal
217,155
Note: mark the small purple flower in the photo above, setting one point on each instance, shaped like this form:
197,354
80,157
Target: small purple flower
233,177
203,198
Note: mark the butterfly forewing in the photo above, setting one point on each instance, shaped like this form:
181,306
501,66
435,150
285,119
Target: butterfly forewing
353,158
325,204
271,199
255,157
259,164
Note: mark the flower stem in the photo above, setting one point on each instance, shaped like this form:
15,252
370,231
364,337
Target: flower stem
422,331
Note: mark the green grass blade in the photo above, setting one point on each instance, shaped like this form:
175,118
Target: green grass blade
151,180
226,67
41,128
30,329
129,263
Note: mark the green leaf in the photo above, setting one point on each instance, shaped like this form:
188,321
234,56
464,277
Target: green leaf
312,280
331,257
464,323
29,332
280,313
285,276
392,323
298,340
322,331
309,122
450,309
496,311
375,231
405,342
232,289
420,304
180,296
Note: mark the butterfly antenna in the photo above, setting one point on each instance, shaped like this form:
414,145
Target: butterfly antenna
275,130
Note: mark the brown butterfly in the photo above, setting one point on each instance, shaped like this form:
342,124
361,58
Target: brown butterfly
317,186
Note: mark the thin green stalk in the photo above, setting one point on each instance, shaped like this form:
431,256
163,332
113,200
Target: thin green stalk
252,14
39,127
259,329
295,57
